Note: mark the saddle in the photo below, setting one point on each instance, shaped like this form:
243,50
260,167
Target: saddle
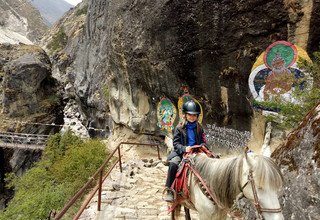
180,185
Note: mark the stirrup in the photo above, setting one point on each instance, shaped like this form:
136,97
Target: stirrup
166,189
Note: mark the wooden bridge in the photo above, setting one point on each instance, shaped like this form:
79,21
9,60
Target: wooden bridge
23,141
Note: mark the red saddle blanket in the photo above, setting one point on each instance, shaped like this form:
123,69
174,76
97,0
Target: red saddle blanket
180,184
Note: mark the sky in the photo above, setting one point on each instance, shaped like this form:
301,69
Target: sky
73,2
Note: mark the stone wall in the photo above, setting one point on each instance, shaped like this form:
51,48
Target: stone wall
299,159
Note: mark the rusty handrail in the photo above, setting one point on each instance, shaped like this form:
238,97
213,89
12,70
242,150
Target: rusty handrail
101,180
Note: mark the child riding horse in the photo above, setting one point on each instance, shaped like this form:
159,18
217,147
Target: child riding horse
186,135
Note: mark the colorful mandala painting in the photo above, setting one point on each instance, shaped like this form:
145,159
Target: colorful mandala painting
183,99
166,113
275,74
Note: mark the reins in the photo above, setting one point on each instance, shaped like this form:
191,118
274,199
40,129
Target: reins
211,195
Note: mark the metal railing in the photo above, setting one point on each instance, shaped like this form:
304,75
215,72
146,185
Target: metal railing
98,188
22,140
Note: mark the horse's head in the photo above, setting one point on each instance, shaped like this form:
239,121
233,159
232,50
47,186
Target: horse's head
261,180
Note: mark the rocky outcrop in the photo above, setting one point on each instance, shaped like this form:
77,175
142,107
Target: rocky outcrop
299,159
22,82
28,90
72,25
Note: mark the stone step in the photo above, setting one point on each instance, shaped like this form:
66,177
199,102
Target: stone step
136,193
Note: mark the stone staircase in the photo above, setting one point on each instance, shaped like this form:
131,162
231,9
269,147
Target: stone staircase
136,193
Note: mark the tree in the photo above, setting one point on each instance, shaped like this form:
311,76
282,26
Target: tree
66,165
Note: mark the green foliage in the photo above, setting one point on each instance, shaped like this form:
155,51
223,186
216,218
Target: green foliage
82,11
106,92
59,41
50,101
291,114
313,68
66,165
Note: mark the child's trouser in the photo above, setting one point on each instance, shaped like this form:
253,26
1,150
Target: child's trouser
172,170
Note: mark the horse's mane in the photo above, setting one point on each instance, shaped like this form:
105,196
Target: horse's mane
267,174
223,175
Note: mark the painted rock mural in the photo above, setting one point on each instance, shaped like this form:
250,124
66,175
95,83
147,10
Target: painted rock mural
166,112
275,75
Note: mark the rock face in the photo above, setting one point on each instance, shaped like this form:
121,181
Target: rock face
27,85
299,159
134,53
127,55
314,40
73,25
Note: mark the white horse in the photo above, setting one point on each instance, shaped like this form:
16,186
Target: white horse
226,180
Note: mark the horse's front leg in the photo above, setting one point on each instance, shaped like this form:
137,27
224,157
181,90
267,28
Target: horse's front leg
187,213
172,215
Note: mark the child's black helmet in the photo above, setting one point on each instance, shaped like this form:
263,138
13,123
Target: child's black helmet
191,107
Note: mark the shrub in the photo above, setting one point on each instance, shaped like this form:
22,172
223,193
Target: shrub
66,165
106,93
291,114
82,11
50,101
59,41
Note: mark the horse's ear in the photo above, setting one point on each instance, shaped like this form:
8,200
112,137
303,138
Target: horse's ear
249,157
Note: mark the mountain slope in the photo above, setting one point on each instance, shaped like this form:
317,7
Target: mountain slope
11,37
20,22
51,10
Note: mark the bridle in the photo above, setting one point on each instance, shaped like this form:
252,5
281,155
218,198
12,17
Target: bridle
256,203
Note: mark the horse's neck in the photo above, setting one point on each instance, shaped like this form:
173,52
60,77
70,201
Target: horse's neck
222,176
